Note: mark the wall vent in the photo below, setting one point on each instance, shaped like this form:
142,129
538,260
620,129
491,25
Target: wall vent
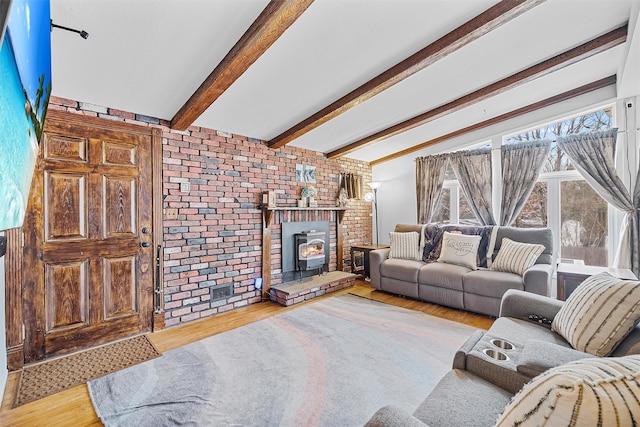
221,292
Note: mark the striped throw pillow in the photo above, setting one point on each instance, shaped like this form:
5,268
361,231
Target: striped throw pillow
405,246
599,314
516,257
587,392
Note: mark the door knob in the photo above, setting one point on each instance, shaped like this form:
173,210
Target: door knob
145,230
145,244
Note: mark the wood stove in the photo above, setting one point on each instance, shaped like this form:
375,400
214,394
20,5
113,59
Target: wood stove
310,250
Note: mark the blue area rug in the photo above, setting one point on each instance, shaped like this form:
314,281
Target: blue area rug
330,363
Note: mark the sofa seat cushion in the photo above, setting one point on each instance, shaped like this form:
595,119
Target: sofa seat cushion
401,269
442,275
518,331
491,283
463,399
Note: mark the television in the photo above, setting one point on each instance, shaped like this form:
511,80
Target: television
25,73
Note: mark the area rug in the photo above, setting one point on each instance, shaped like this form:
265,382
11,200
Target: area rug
46,378
329,363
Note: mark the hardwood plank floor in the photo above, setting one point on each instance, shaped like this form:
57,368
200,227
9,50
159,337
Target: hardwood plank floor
73,407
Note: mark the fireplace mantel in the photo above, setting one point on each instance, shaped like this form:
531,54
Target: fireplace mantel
267,212
304,214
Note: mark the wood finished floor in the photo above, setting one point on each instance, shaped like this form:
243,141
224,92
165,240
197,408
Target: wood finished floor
73,407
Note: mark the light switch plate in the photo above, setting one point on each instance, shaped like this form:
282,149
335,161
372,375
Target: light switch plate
185,187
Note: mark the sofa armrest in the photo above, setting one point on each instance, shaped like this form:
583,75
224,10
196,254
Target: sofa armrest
392,416
521,304
539,356
375,259
460,358
537,279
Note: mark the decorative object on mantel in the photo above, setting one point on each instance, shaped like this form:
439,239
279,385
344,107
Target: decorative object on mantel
308,197
342,198
352,184
269,199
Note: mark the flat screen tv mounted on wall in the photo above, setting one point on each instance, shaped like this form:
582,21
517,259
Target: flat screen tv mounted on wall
25,73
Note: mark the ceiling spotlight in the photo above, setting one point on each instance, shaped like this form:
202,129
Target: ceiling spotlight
82,33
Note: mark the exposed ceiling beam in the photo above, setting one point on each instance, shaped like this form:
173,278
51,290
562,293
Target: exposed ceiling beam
487,21
265,30
590,48
607,81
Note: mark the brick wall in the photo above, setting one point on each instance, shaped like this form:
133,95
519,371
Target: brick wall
215,239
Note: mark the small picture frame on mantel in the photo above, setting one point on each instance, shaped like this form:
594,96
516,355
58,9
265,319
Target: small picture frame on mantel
269,199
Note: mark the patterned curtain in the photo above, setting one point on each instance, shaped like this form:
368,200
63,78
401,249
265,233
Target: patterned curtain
429,178
473,169
521,165
352,184
593,156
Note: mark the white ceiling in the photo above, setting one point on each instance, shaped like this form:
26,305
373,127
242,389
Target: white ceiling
148,57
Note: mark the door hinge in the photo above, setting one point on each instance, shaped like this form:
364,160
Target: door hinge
24,332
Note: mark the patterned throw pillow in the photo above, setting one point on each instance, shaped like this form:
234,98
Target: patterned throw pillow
460,249
599,314
516,257
405,246
587,392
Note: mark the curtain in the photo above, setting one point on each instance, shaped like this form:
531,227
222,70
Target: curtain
473,169
521,165
593,156
429,178
352,184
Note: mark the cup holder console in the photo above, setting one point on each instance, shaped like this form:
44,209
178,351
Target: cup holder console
502,344
495,354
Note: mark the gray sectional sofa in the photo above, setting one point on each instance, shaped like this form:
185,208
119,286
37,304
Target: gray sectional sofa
459,286
478,388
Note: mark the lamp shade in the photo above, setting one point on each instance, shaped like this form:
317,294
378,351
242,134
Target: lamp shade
375,185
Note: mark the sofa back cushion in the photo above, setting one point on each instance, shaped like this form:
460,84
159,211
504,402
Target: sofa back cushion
541,236
408,228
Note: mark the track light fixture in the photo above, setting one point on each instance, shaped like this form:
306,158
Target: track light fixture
82,33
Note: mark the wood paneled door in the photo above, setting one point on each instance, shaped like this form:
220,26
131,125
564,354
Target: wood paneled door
89,243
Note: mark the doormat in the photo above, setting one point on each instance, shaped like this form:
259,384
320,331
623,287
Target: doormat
55,375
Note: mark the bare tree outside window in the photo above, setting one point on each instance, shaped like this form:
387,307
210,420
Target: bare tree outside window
557,160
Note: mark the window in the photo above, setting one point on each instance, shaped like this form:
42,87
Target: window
443,212
584,225
562,199
453,207
534,212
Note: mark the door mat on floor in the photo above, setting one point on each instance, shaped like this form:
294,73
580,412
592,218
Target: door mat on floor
52,376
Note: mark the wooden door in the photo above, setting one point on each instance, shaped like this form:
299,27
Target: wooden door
89,252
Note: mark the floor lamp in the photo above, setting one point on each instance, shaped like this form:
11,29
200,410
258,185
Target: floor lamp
374,186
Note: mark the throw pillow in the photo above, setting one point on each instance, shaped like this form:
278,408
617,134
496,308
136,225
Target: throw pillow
599,314
460,249
588,392
405,245
516,257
